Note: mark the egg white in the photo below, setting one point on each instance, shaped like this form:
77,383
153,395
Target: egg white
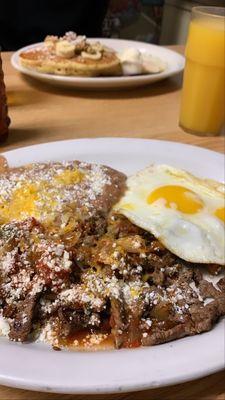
197,237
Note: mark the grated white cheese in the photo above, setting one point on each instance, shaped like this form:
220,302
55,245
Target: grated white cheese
4,327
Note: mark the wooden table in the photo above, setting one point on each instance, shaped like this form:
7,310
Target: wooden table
42,113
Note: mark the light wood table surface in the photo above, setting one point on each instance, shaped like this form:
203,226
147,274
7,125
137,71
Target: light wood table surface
42,113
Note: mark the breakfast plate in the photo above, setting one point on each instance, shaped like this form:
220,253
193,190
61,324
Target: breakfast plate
174,64
37,367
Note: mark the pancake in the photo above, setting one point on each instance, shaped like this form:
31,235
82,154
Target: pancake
71,58
77,66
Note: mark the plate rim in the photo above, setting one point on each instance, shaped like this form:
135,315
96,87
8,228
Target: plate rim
120,138
109,389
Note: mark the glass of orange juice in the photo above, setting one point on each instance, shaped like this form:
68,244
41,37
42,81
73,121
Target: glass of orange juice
203,95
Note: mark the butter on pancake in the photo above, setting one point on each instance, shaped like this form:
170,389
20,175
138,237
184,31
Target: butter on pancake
71,55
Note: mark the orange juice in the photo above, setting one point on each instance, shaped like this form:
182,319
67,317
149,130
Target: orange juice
203,105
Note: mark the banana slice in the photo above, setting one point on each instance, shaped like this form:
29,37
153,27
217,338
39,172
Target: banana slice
94,56
65,49
152,64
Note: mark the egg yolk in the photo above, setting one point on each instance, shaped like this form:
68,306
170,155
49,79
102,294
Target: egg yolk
220,213
177,197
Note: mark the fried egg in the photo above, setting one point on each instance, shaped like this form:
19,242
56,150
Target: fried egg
184,212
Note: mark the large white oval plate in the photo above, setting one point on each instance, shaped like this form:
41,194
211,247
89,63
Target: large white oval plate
175,64
38,367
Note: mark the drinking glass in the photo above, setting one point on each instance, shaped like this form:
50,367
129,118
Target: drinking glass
203,94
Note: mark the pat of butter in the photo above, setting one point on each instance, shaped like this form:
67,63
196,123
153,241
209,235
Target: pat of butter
131,61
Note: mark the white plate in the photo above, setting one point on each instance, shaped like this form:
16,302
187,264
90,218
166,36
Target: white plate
175,64
38,367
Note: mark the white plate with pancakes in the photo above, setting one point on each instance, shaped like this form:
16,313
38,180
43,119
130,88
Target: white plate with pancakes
174,63
37,367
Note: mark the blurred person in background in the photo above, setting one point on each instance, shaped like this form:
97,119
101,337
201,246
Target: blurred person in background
134,19
23,22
